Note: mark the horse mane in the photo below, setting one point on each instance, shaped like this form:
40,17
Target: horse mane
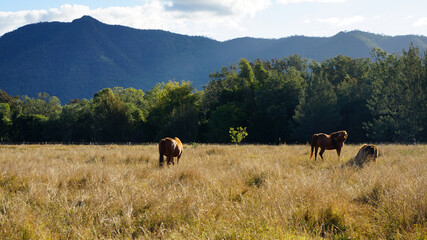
339,136
178,141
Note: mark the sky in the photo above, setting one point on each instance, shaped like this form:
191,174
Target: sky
228,19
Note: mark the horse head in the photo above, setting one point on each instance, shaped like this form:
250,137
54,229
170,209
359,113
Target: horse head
340,136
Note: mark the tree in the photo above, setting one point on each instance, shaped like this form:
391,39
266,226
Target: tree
412,95
276,100
5,122
6,98
397,101
29,128
44,104
423,133
353,89
173,111
133,96
353,95
317,110
224,117
260,73
237,134
295,62
340,68
246,72
76,119
110,122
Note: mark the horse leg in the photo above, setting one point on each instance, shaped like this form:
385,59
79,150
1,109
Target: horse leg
177,160
339,153
169,160
161,160
322,150
315,152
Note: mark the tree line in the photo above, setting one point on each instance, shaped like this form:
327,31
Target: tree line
378,99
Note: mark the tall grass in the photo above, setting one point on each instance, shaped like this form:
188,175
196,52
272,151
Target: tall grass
216,192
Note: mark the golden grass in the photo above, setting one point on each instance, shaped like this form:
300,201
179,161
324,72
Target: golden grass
216,192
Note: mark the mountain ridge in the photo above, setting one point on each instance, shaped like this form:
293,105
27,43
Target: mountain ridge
77,59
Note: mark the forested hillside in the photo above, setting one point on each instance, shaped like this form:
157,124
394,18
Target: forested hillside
286,100
74,60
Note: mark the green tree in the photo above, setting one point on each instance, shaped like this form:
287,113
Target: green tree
173,111
276,103
412,95
133,96
340,68
317,110
29,128
246,72
5,122
44,105
230,93
353,95
295,62
110,122
6,98
423,133
76,119
397,101
222,119
237,134
260,73
136,111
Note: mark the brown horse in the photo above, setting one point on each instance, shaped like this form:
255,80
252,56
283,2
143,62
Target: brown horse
170,148
328,142
367,153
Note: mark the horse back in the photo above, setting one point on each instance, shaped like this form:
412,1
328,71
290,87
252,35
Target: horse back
319,138
170,147
324,140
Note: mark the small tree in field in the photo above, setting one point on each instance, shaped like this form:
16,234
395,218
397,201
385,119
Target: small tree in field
238,134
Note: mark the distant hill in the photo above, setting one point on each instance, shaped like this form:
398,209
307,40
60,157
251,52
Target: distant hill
77,59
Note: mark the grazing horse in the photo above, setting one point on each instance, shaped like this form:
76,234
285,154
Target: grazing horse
170,148
328,142
367,153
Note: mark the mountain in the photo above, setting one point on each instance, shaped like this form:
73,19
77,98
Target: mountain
77,59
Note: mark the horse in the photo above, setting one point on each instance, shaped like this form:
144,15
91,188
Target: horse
367,153
328,142
170,148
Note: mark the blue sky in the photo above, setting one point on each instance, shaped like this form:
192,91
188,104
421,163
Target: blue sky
228,19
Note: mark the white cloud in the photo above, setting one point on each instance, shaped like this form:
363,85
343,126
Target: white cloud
12,20
308,1
421,22
219,7
340,22
193,17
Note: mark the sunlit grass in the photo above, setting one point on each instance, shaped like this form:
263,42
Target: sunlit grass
216,192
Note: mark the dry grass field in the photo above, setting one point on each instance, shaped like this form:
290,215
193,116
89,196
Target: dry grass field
216,192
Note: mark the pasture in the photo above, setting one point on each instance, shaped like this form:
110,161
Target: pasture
216,192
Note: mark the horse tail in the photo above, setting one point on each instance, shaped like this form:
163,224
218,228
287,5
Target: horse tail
313,144
161,151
